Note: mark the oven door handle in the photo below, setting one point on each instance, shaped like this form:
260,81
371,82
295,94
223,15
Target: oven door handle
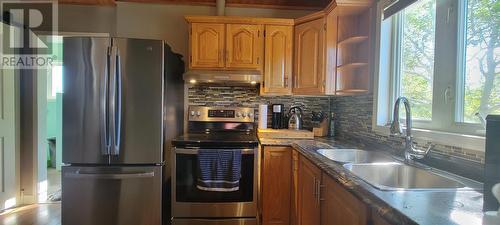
194,151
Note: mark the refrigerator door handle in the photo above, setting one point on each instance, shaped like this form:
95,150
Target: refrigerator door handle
105,137
112,100
118,103
109,176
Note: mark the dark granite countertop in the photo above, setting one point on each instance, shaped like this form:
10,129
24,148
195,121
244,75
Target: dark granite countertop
397,207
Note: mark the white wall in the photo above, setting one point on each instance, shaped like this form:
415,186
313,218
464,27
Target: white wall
91,19
151,21
166,22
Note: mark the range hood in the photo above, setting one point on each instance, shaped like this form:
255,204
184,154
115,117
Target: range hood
223,77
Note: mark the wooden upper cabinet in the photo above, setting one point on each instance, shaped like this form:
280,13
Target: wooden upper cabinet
276,185
244,46
309,76
339,207
308,186
278,60
331,21
207,45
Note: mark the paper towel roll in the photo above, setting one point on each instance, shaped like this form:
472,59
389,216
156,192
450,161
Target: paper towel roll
263,116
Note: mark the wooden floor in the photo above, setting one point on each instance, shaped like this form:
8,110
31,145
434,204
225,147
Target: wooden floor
38,214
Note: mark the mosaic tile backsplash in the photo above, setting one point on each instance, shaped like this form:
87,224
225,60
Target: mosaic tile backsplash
354,121
353,113
249,97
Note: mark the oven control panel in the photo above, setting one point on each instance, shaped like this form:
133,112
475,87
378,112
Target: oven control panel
215,113
221,114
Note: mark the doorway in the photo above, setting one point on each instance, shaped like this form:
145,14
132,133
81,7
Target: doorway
50,83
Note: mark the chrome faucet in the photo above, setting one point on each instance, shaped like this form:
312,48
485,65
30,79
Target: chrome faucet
411,152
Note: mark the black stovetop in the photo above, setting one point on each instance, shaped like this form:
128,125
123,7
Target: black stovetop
217,140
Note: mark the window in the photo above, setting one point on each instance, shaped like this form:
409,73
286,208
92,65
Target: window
55,79
480,74
444,56
417,57
55,72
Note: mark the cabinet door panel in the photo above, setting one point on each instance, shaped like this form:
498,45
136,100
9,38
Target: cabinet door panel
309,206
295,189
207,45
276,185
243,46
339,207
278,60
309,58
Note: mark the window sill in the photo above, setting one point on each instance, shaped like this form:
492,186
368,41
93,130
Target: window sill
444,138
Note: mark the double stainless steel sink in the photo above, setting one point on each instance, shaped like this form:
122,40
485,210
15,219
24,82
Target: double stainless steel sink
387,173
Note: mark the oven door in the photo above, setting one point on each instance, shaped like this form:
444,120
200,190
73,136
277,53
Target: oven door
189,201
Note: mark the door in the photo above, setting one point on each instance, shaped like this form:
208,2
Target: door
309,58
138,115
276,185
309,202
111,195
207,45
339,207
278,60
9,173
243,46
85,100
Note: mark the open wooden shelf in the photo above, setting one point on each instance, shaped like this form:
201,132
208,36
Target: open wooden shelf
351,66
353,40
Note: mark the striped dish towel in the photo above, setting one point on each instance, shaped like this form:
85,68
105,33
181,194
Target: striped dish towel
219,170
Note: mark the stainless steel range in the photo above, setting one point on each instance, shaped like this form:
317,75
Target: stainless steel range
215,129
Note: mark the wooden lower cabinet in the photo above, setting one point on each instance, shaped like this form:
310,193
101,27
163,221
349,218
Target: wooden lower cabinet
308,185
296,192
339,207
276,185
294,220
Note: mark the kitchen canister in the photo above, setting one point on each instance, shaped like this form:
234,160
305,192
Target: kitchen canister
263,116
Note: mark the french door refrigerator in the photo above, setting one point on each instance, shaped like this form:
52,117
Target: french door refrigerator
122,104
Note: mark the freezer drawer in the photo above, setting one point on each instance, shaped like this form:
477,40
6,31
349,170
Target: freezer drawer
111,195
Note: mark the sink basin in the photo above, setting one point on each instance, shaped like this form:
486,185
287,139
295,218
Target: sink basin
397,176
354,156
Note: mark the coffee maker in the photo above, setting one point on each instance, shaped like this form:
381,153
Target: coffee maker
278,116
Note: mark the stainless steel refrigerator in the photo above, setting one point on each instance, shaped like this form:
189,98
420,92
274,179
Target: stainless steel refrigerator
122,104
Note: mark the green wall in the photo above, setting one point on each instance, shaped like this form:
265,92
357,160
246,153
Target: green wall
54,126
59,131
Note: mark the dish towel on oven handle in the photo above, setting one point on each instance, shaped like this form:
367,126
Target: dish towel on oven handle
219,170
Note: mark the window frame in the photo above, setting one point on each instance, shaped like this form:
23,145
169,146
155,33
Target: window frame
446,126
